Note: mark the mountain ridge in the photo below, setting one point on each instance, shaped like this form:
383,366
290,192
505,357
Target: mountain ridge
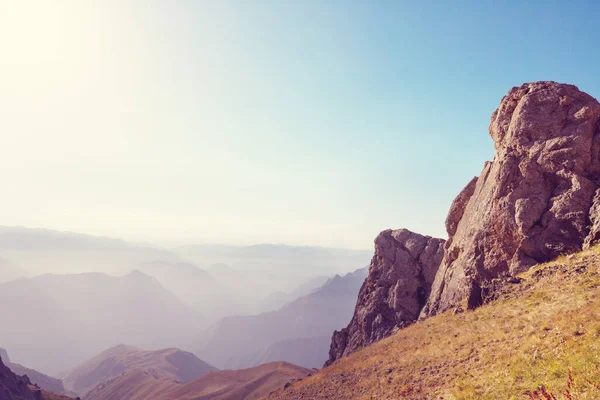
313,315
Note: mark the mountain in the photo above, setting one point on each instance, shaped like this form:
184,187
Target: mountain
237,342
279,298
199,275
539,198
53,322
172,364
252,383
197,288
540,330
37,378
15,387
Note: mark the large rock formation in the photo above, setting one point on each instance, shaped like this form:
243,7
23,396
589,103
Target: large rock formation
399,282
537,199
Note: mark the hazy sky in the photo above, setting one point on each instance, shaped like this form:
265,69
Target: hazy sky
299,122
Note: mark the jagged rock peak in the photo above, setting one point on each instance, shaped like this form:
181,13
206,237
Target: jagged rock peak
399,282
537,199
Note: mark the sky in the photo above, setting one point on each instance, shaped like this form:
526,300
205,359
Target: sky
256,121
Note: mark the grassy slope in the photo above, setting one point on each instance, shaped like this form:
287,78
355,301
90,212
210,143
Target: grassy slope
533,334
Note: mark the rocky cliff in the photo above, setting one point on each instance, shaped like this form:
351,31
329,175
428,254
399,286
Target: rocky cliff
539,198
396,289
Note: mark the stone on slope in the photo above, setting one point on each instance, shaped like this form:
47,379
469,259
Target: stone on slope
399,282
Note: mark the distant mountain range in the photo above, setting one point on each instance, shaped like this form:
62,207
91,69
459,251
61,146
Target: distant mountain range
52,322
216,280
284,266
265,302
296,330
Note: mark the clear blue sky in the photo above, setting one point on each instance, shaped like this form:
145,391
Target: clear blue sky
300,122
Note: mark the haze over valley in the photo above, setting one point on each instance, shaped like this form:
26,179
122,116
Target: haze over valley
299,200
156,298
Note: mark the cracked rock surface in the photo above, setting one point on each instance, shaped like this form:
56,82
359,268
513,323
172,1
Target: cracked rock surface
539,198
396,289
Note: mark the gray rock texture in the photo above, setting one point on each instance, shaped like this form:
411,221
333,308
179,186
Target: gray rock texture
396,289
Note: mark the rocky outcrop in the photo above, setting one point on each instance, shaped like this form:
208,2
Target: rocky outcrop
457,209
14,387
399,281
43,381
537,199
37,378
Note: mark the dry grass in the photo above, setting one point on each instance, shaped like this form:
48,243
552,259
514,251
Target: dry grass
534,335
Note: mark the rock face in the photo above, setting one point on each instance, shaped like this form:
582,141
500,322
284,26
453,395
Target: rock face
398,285
12,386
37,378
537,199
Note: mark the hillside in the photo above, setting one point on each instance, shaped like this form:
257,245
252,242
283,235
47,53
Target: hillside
16,387
238,342
278,299
252,383
37,378
309,352
171,364
534,330
196,288
52,322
